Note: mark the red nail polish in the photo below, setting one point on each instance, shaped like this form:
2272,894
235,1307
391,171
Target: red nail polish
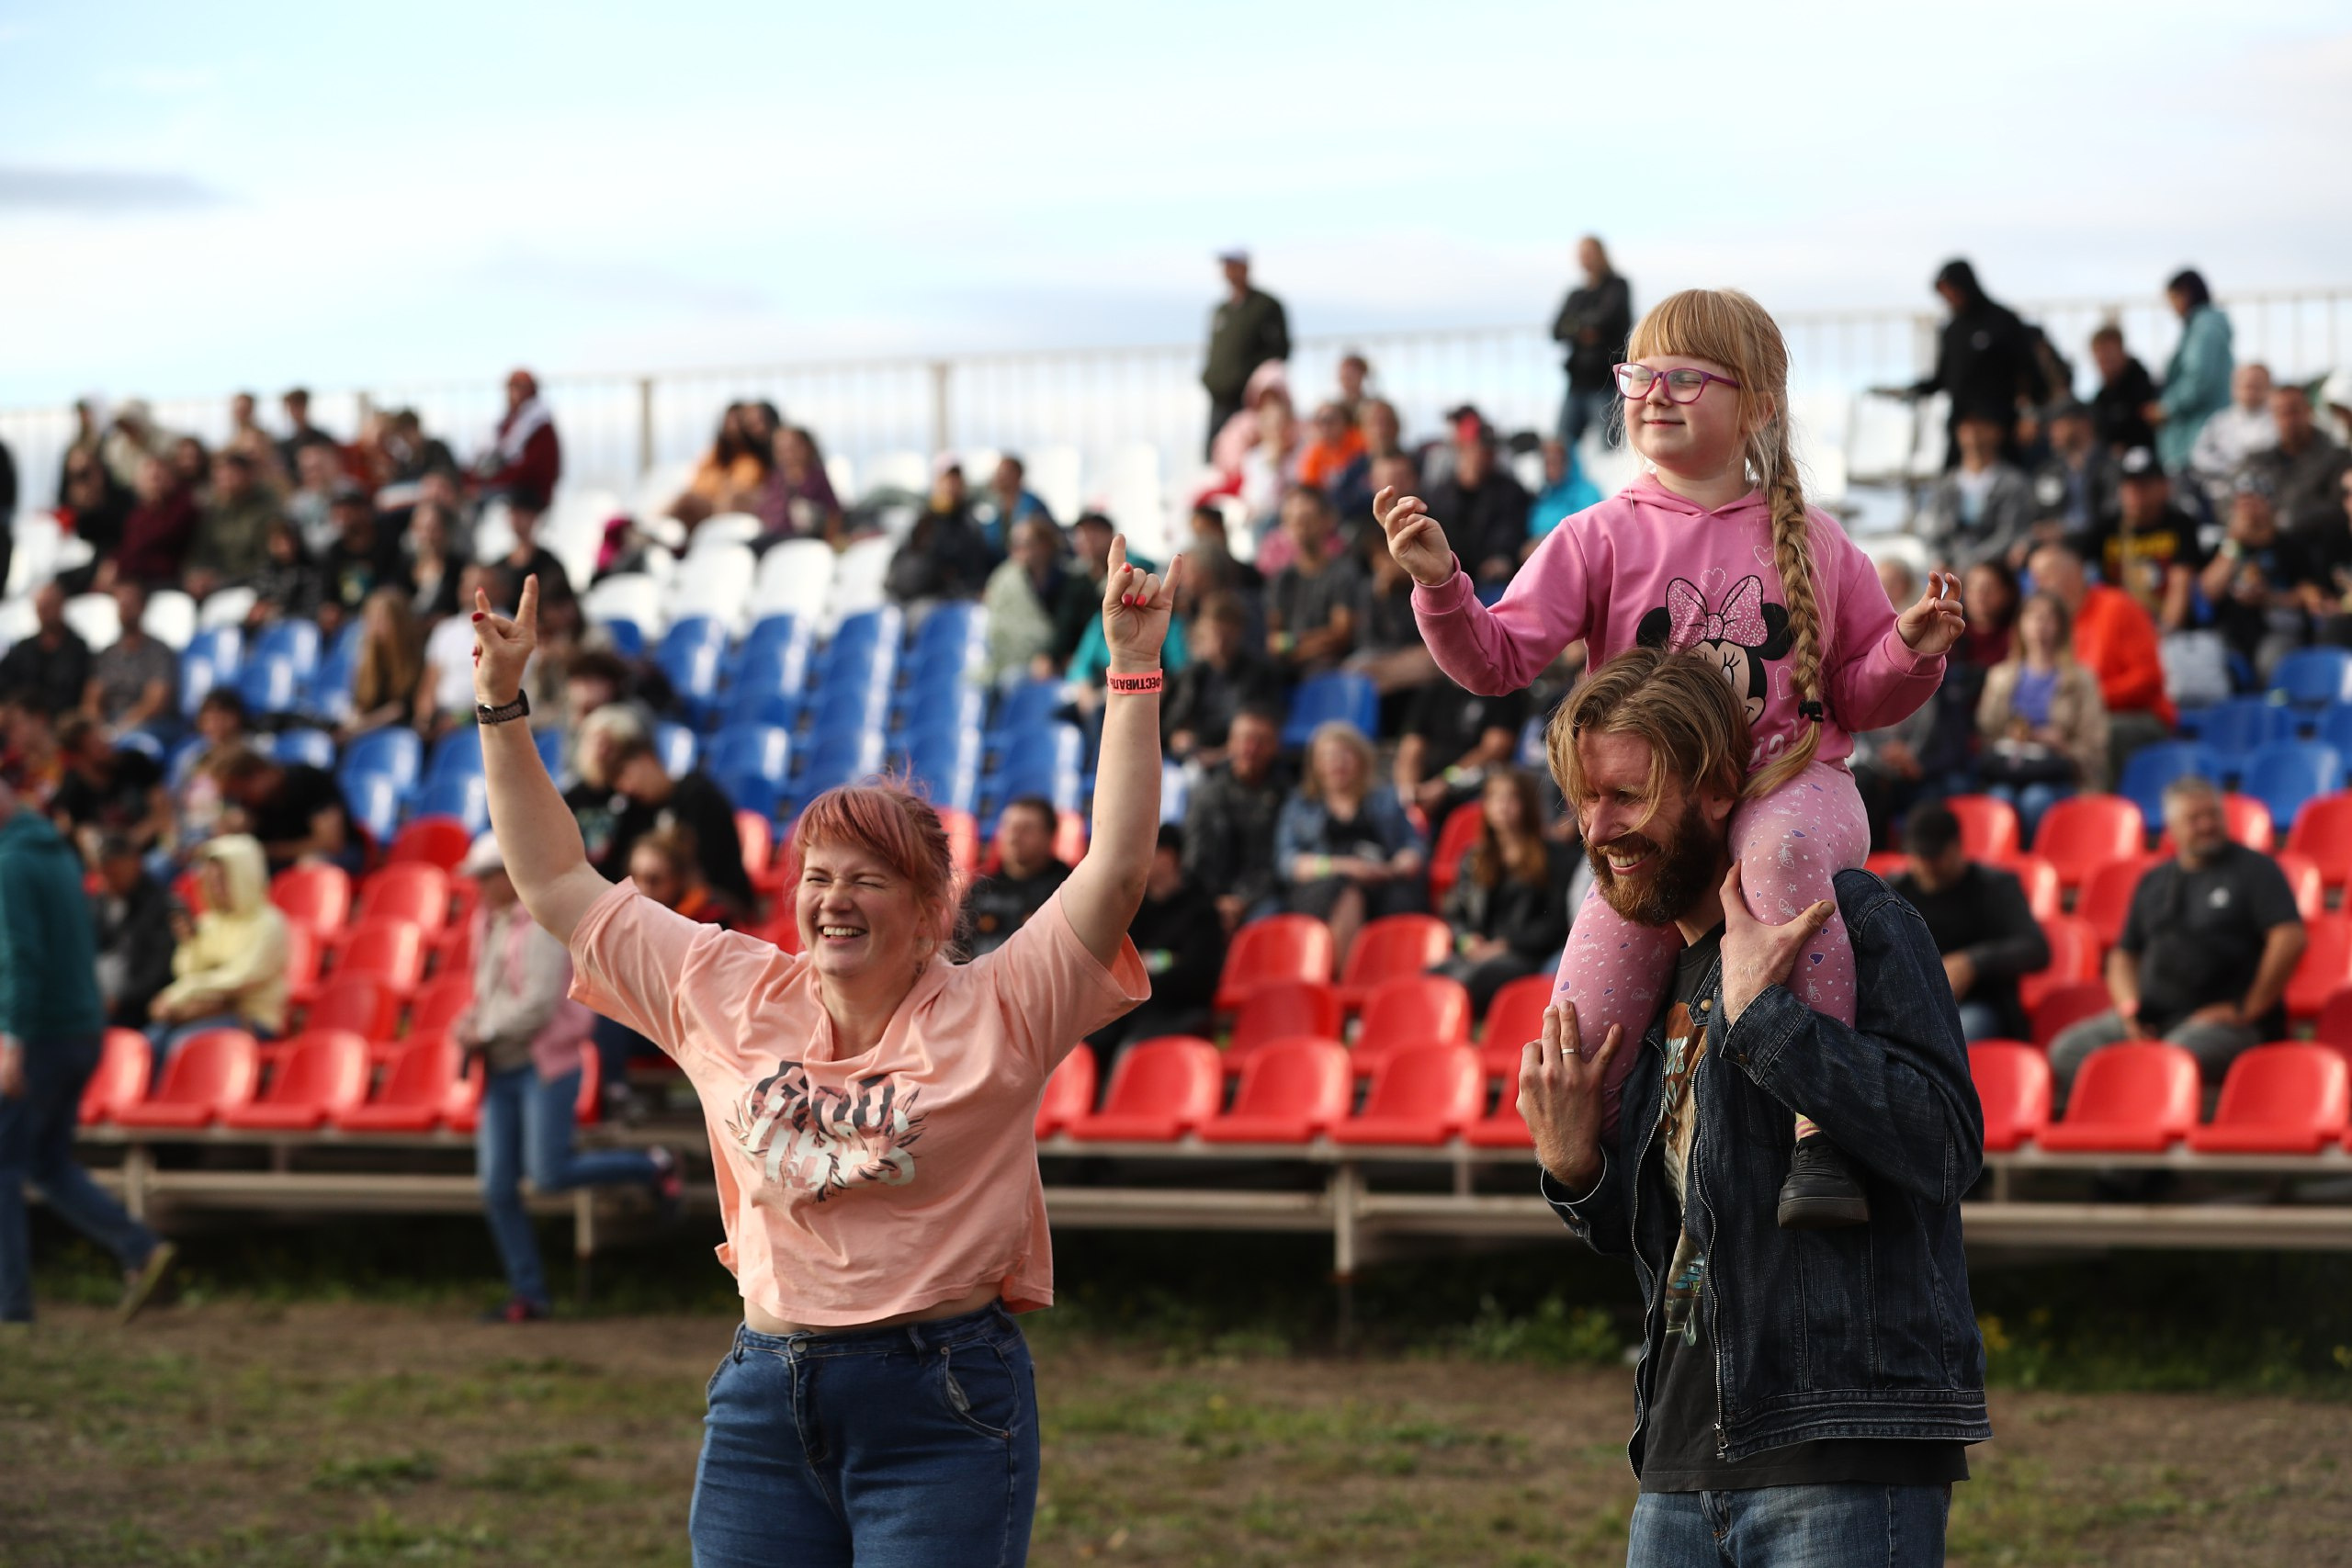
477,615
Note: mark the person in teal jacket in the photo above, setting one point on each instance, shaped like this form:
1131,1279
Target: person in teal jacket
2196,380
51,1023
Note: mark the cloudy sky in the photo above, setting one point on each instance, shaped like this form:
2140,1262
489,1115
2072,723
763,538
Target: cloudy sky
198,196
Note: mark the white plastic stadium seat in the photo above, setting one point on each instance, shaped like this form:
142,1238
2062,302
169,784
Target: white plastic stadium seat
795,578
94,619
979,465
717,582
660,487
34,562
170,618
727,528
17,620
226,607
627,596
857,579
1929,437
1878,441
1057,478
841,474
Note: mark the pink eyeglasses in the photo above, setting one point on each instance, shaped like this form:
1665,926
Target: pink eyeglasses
1634,381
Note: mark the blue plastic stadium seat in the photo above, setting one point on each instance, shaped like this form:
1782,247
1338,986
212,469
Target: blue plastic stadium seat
313,747
2314,677
457,754
676,745
627,637
397,753
1048,759
770,679
2335,726
952,641
550,745
749,789
465,796
2285,774
374,802
269,683
947,763
761,749
1030,703
2154,767
832,760
921,712
2234,728
221,647
293,639
693,656
1341,694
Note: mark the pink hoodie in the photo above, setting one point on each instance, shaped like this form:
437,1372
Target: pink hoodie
1648,568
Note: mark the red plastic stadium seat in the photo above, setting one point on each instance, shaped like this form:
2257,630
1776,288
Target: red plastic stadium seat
1390,948
412,891
1422,1094
1280,947
588,1106
304,953
2085,831
2323,831
1454,841
2013,1083
125,1061
2075,953
417,1092
433,840
2334,1027
358,1002
1160,1090
2303,880
324,1073
2063,1007
1285,1010
2286,1098
315,897
1513,1018
1421,1010
1069,1093
211,1075
1988,828
439,1003
2246,821
2039,878
391,951
1503,1127
1887,864
963,839
1290,1091
2106,898
2139,1097
2324,968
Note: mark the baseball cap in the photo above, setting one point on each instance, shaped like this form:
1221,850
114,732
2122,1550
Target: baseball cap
2141,464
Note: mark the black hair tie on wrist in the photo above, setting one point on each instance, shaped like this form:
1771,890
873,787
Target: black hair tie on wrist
1810,710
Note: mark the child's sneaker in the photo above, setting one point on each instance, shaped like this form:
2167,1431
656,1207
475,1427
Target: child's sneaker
1822,1193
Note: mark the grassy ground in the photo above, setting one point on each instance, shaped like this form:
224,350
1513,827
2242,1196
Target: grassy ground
316,1400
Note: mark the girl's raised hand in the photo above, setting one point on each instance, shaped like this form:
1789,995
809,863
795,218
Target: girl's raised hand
1414,537
503,648
1933,625
1136,607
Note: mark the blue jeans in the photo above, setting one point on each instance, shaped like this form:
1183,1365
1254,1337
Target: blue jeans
1979,1021
37,1147
167,1038
525,1130
913,1447
1580,411
1791,1526
2030,801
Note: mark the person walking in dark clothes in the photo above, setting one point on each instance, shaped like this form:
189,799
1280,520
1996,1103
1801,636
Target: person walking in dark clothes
1248,328
1985,361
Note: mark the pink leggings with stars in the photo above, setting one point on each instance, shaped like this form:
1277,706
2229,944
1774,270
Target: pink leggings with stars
1789,844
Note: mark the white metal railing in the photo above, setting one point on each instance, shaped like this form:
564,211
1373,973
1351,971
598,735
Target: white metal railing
1127,419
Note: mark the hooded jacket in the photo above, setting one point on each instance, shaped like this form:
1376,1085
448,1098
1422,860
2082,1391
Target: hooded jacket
238,954
1648,568
48,985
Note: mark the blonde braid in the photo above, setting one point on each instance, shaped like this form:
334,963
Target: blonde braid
1792,558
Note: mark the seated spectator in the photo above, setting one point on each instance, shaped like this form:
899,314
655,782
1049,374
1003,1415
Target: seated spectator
1091,659
1312,604
1991,594
221,725
1333,460
529,1033
1981,922
2118,410
135,680
799,501
595,681
596,806
2149,548
1006,502
1982,507
945,556
1390,649
106,791
1896,767
388,683
2115,639
1029,600
731,476
2074,487
1210,567
229,970
1269,467
1344,843
1231,446
1483,507
1510,908
319,469
1000,902
1352,372
1220,678
90,503
1182,945
232,529
2207,949
434,563
2305,467
52,666
1384,434
2262,584
2231,436
132,914
663,865
525,460
444,693
301,434
158,532
363,559
528,558
1566,492
1453,738
288,585
34,765
2042,724
1231,817
644,798
295,811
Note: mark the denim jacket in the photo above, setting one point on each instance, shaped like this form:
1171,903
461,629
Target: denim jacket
1866,1332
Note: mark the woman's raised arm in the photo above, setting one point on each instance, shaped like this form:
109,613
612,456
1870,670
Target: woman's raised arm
535,832
1103,895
